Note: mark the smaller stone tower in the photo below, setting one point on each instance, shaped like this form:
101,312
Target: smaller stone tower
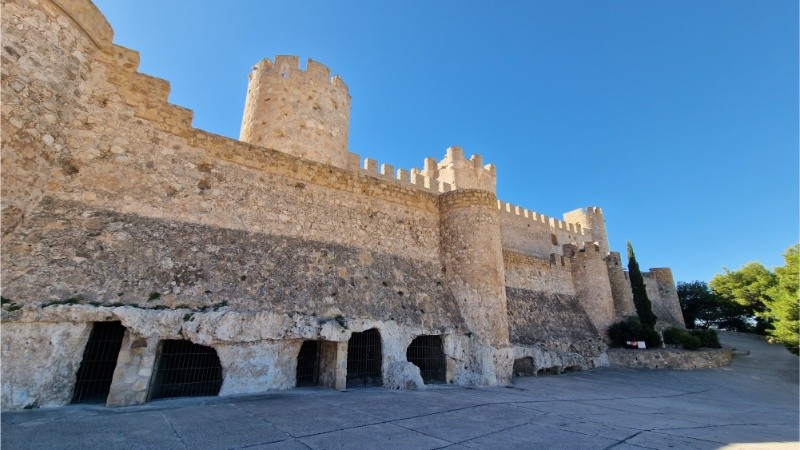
472,259
303,113
591,219
666,306
590,276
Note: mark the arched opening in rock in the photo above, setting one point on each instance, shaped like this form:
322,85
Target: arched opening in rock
523,367
426,352
185,369
364,359
316,364
308,364
93,381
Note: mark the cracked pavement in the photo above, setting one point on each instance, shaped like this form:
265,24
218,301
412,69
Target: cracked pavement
751,404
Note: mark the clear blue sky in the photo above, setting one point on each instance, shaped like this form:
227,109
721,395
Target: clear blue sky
679,118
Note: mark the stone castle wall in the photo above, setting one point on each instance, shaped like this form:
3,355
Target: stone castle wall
661,291
544,308
116,208
620,286
536,234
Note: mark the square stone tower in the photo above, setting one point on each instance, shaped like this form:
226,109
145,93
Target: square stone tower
303,113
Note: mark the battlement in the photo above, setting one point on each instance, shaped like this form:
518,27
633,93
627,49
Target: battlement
147,95
463,173
288,67
593,211
436,177
414,178
553,223
591,219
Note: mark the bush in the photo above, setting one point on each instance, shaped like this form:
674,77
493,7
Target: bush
708,338
652,337
674,335
690,340
631,329
626,330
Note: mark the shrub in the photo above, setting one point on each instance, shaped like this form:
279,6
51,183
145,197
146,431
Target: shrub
625,330
691,342
651,337
708,338
631,329
673,335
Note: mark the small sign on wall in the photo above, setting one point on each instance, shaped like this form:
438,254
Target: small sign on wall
635,344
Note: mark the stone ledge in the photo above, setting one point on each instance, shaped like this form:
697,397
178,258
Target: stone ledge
668,358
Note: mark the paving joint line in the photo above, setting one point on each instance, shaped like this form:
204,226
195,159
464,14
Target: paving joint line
177,435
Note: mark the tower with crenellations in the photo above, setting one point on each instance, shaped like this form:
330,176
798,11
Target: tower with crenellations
591,219
305,113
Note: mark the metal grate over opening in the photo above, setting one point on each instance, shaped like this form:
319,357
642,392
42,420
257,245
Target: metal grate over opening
99,361
364,359
308,364
185,369
426,353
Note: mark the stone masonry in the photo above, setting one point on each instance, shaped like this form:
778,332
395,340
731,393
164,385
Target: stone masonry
114,208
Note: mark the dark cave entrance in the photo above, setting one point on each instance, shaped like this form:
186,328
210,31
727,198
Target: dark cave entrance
185,369
364,359
427,353
93,381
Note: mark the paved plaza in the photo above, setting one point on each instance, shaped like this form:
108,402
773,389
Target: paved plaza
751,404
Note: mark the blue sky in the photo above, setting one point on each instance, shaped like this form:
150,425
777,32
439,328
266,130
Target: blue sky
678,118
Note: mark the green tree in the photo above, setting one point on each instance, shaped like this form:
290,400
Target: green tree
703,308
782,301
748,287
644,309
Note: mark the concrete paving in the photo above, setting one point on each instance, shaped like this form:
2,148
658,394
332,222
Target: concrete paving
751,404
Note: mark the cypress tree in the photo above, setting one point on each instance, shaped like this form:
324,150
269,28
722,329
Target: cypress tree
644,309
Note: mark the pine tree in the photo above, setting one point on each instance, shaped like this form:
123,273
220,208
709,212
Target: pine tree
783,299
644,309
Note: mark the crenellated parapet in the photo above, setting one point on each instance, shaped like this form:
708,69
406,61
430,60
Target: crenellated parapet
462,173
147,95
528,215
591,219
451,173
413,178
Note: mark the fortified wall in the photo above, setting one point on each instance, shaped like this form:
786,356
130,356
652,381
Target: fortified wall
131,239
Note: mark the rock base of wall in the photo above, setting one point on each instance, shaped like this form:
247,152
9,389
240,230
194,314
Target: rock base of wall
669,358
532,360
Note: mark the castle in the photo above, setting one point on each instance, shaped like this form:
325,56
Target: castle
131,240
